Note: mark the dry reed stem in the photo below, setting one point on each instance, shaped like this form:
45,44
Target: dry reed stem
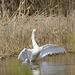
16,34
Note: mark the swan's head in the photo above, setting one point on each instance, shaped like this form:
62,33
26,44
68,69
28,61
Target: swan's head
35,30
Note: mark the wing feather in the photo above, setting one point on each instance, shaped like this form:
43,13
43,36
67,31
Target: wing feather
50,49
24,54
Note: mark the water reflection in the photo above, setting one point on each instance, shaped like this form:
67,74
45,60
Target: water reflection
34,66
45,68
48,68
55,65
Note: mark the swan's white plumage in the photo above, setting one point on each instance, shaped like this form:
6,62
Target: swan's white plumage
50,49
25,54
32,54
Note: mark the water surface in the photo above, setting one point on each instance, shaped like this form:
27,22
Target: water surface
50,65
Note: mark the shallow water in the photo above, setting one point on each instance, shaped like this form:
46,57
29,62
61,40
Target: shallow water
50,65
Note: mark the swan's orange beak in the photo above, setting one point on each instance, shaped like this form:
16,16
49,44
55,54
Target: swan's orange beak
37,30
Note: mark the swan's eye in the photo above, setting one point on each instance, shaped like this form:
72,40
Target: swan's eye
37,30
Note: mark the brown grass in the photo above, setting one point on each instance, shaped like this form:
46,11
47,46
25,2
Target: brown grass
15,34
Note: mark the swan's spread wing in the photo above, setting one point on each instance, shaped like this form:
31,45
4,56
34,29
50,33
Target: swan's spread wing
24,54
50,49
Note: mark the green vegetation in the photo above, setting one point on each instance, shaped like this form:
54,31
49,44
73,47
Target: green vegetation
69,41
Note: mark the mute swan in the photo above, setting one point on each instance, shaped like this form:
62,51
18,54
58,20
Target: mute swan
31,54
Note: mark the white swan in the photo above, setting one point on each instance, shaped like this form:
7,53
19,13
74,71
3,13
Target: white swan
31,54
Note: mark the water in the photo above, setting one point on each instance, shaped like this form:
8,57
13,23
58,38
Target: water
50,65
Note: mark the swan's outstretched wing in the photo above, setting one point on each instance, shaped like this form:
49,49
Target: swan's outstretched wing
50,49
24,54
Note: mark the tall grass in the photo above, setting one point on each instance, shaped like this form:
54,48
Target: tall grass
55,28
16,34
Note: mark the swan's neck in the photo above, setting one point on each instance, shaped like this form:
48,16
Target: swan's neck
33,40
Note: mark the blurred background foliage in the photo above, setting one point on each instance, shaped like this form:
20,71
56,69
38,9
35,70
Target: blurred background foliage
47,7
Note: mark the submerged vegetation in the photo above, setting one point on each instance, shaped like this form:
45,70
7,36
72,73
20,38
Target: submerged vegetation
56,25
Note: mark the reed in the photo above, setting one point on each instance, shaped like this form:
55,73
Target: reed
54,18
16,34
